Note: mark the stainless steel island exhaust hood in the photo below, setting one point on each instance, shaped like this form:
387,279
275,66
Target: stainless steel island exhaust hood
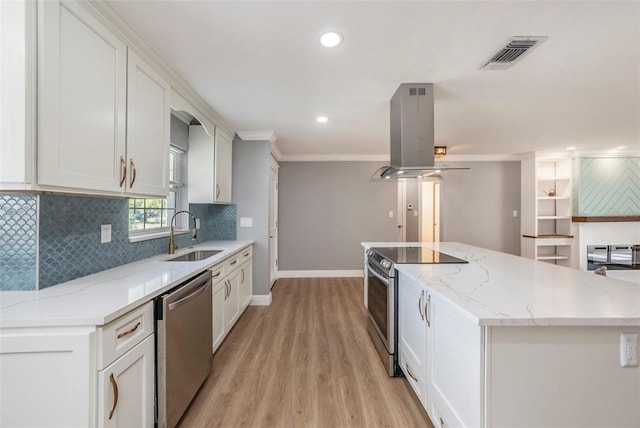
412,136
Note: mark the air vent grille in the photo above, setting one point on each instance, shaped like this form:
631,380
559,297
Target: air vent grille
512,51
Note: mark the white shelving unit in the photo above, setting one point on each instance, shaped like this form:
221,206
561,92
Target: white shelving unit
546,209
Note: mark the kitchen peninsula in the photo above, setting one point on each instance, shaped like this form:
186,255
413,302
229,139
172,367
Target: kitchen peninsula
504,341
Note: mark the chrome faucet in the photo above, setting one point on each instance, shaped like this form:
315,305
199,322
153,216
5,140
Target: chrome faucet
172,243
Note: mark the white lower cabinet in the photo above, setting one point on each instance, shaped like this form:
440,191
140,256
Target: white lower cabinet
412,334
232,292
126,387
440,353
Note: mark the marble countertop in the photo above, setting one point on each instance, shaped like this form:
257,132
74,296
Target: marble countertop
102,297
498,289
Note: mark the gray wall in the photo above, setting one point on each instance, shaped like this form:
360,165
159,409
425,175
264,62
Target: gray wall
326,209
478,204
250,193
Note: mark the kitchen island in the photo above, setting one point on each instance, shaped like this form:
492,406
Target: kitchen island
505,341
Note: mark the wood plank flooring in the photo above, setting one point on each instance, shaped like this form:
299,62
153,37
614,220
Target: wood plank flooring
304,361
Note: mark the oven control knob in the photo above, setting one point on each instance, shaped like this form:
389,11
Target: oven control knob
385,264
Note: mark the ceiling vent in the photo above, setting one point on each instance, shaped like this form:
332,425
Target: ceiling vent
513,50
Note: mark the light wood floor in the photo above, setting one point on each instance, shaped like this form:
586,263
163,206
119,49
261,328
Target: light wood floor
304,361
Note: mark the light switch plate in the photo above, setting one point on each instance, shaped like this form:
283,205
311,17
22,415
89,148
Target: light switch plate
629,350
515,213
390,214
105,233
246,221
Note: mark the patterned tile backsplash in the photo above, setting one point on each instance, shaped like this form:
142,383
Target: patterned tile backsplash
18,242
69,237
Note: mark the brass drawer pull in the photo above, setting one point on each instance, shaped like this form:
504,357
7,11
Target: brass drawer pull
114,385
217,274
409,372
233,262
123,170
133,173
242,269
442,424
134,328
247,255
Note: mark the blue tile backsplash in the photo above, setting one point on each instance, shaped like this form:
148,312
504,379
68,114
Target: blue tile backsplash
18,242
69,237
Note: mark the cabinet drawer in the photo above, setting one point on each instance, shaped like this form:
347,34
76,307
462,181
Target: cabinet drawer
119,336
218,272
414,376
232,263
245,254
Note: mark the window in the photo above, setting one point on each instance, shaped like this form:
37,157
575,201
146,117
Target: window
154,215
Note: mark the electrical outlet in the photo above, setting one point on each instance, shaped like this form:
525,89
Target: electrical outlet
628,349
105,233
246,221
197,223
515,213
390,214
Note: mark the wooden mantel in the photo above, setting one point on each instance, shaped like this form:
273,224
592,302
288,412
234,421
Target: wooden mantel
605,219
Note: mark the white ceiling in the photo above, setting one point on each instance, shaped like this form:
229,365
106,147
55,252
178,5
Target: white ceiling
260,66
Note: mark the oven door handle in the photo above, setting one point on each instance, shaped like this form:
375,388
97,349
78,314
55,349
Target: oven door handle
380,277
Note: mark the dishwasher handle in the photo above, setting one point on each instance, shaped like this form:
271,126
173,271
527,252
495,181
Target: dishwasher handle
184,300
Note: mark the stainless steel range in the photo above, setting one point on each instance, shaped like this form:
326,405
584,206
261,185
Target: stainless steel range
382,293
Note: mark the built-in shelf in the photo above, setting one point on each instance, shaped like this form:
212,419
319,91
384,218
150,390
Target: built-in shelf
604,219
553,178
547,236
557,198
554,217
554,257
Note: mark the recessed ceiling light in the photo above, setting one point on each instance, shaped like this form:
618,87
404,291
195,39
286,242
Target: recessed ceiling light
571,148
322,119
330,39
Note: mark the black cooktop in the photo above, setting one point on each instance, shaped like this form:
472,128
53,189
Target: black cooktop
416,255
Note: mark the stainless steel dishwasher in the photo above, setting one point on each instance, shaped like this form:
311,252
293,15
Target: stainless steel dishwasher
183,346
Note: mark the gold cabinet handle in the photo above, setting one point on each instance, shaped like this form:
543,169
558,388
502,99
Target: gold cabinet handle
442,424
233,262
227,288
409,372
114,385
134,328
420,305
217,274
123,170
247,254
217,191
242,269
426,310
133,172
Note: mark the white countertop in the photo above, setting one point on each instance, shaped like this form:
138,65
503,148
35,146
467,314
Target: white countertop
102,297
497,289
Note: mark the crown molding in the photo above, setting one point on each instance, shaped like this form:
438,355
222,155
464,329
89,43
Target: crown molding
275,151
480,158
333,158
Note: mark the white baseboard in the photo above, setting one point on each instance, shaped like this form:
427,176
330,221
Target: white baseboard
321,273
261,300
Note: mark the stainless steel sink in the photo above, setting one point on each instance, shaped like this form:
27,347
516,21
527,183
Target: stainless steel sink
195,256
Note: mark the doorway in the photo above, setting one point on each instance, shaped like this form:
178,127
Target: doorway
419,210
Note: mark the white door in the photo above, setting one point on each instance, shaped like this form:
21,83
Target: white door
126,389
430,211
148,127
82,83
401,211
273,222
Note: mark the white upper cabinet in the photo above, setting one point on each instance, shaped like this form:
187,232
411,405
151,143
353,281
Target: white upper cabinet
148,121
223,167
82,84
209,166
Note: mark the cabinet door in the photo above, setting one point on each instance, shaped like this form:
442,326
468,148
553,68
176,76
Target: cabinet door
412,333
201,154
246,284
223,160
218,318
81,99
148,122
454,364
232,300
126,389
